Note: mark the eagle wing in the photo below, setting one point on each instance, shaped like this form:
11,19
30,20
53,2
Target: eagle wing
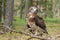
40,22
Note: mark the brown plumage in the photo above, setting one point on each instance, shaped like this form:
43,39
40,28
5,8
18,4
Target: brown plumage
34,22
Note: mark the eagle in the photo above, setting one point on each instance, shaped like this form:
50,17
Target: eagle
34,22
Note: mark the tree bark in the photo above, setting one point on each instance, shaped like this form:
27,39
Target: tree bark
9,13
53,8
3,10
30,3
35,2
59,10
0,10
21,8
46,9
26,7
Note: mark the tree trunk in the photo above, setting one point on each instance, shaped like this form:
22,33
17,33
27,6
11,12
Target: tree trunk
59,10
53,8
0,10
21,8
30,3
9,13
3,10
46,9
26,7
35,2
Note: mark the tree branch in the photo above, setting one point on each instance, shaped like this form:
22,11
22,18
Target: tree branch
22,32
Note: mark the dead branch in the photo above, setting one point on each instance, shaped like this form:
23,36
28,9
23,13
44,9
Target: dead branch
58,37
22,32
31,35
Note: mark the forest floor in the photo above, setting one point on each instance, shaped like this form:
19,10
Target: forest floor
53,30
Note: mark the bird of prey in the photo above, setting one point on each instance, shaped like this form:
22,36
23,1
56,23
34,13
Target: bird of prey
34,22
